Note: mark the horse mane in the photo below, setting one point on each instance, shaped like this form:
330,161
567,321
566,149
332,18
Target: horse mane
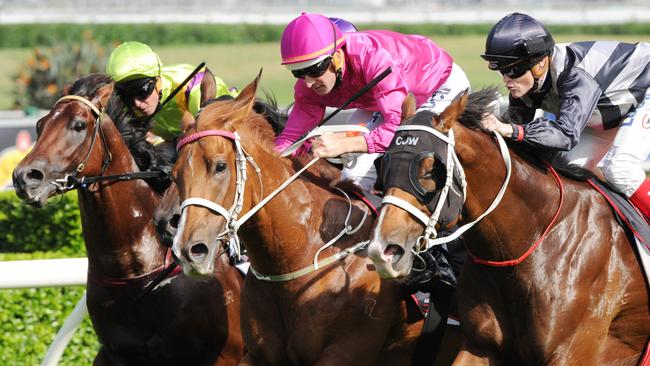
87,86
133,130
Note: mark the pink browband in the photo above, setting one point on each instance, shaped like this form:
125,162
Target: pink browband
198,135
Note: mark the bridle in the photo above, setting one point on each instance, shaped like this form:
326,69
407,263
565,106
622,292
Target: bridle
429,239
233,222
71,181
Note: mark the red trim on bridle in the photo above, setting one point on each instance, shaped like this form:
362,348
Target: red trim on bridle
200,134
368,203
514,262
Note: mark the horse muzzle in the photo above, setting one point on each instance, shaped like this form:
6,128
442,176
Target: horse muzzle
391,260
31,186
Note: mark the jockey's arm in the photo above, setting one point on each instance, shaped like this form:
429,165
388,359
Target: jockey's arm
336,144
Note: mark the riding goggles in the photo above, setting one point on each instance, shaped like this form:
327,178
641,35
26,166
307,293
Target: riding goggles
314,71
136,89
512,71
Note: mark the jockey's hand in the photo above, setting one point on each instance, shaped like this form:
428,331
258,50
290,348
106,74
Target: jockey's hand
335,144
491,123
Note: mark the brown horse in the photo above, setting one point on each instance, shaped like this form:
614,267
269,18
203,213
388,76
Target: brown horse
292,313
180,321
539,290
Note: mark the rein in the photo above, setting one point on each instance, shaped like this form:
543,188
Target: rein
70,181
526,254
230,234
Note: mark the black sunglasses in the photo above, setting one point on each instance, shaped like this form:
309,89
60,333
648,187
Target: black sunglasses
515,71
313,71
136,89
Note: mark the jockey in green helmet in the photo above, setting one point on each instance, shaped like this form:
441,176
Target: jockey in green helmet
144,84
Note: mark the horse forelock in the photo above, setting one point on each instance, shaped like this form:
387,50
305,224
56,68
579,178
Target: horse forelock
88,85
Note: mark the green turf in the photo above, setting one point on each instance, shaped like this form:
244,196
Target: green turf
238,64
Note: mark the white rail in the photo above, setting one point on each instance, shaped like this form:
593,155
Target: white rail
43,273
50,273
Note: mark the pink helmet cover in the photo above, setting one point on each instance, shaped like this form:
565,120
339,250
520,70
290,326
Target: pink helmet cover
308,37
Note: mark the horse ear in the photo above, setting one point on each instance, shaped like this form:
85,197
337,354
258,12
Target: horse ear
247,96
408,106
102,95
249,91
451,114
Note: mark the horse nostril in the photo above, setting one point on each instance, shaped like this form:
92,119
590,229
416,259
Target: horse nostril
173,222
198,251
393,253
34,175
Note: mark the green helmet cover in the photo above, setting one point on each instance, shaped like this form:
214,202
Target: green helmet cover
132,60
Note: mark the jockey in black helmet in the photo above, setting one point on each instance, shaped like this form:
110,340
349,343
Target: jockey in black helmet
603,85
516,44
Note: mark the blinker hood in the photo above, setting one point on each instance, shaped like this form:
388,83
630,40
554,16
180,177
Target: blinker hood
401,161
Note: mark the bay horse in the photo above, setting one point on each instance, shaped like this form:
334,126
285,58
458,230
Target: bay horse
293,312
180,320
553,279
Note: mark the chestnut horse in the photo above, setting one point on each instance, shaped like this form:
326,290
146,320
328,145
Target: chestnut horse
293,312
553,280
179,321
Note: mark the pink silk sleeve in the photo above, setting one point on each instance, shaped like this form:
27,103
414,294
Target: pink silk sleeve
306,114
389,95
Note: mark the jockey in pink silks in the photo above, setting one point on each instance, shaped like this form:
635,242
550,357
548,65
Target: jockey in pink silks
332,65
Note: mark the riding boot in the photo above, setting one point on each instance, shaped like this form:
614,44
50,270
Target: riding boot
641,198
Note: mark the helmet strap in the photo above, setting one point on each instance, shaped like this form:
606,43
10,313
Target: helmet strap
539,70
337,61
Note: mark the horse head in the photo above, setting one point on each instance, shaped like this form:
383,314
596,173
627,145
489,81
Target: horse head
67,142
423,185
212,153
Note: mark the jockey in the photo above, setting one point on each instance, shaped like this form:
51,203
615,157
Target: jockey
600,85
143,83
332,65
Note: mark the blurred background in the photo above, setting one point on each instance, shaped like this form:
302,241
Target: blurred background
45,45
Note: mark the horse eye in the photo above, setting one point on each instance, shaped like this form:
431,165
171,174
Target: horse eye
221,167
79,125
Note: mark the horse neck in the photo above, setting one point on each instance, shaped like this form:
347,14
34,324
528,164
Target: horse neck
285,235
526,208
116,217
